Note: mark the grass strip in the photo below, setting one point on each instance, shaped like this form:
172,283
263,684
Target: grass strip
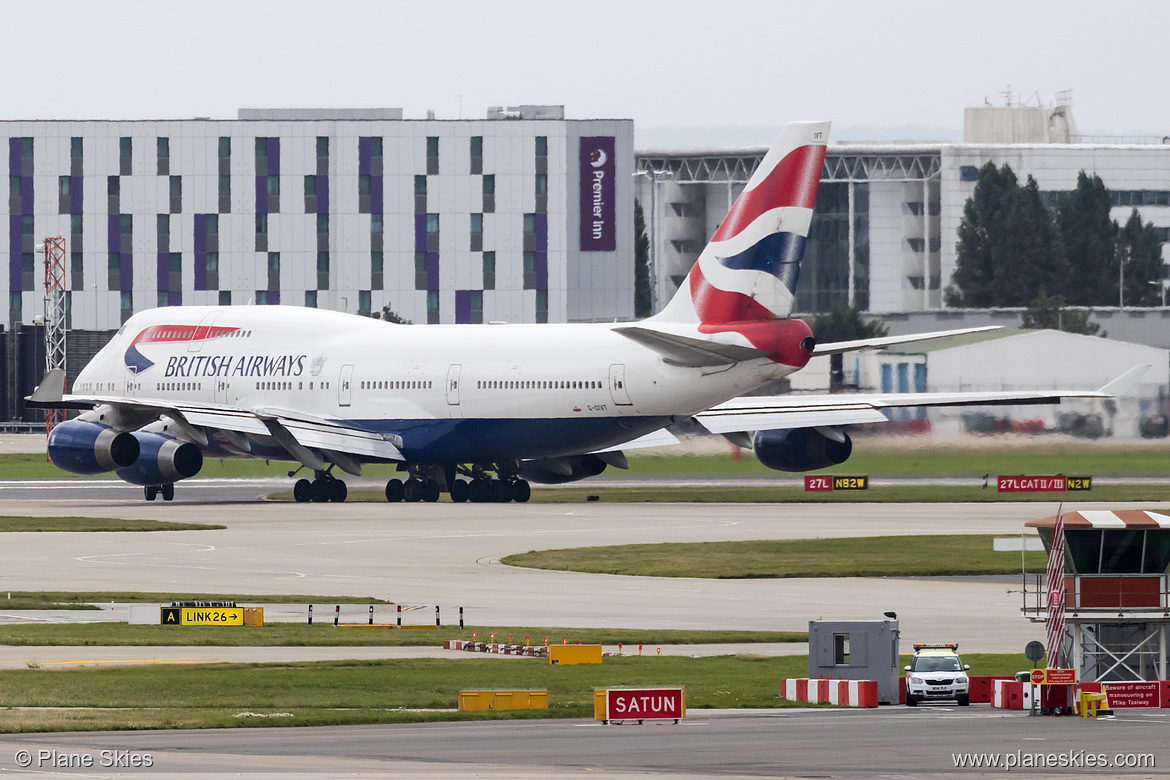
19,524
731,494
322,634
44,599
350,692
874,556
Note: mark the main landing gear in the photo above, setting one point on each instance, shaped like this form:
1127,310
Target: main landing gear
324,488
167,492
428,484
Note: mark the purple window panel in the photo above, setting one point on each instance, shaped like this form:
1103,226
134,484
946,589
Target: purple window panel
14,266
322,194
420,232
75,199
26,195
273,156
540,266
126,271
175,298
376,194
364,155
200,251
164,271
261,194
463,307
432,270
113,233
274,297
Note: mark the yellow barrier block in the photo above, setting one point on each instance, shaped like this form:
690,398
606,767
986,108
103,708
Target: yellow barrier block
1093,703
599,703
503,700
418,625
574,654
253,616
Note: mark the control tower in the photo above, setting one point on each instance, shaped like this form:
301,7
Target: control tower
1116,606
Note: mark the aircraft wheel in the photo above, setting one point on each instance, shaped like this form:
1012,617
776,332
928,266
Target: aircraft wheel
337,491
394,491
501,491
430,492
303,491
150,491
460,491
521,491
412,491
479,491
168,491
320,491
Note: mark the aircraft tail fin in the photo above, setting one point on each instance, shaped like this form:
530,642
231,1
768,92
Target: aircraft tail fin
749,270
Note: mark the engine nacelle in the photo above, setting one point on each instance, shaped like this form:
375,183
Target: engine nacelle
87,447
800,449
162,460
556,471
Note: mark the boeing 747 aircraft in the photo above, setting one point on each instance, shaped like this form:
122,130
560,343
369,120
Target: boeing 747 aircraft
480,411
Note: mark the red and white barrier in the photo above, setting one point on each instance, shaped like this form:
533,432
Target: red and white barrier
1011,695
844,693
492,647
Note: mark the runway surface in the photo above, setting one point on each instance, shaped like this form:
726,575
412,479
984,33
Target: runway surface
448,554
888,743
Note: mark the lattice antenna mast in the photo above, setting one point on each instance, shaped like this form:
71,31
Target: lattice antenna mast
54,316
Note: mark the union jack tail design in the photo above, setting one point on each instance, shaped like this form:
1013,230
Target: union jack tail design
1056,592
749,270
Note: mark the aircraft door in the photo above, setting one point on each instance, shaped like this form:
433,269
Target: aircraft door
131,381
200,335
343,383
617,385
221,384
453,388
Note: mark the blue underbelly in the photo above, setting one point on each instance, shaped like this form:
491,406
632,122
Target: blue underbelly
486,440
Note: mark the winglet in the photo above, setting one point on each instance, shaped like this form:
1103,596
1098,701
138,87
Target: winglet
1124,383
49,391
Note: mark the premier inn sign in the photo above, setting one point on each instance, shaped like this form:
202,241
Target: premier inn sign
598,231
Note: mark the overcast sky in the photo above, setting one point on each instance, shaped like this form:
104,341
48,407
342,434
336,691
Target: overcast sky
682,63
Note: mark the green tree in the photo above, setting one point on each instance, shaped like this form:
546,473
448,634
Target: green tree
984,216
843,323
1089,235
642,298
1139,247
389,315
1027,255
1048,312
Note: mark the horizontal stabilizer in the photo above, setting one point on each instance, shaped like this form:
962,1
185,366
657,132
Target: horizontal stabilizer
680,350
50,391
835,347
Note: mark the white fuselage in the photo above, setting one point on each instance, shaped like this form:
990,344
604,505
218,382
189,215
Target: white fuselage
454,393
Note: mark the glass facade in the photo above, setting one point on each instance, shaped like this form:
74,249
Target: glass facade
824,272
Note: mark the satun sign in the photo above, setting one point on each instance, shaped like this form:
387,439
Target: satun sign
645,703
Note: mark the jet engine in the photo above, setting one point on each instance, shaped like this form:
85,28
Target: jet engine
555,471
162,460
802,449
87,447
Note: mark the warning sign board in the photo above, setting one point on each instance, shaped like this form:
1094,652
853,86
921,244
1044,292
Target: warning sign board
202,616
1054,676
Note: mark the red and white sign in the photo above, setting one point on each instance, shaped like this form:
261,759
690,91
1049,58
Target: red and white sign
1025,484
1054,676
1128,694
645,703
818,482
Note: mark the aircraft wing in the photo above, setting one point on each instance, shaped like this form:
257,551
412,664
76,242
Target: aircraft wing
313,441
802,411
